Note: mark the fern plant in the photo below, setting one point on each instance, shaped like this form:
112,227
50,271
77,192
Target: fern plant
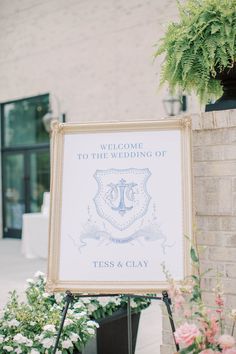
201,44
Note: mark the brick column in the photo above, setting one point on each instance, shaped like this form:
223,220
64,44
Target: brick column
214,170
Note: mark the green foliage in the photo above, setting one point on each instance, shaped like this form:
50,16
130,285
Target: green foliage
202,42
101,307
31,327
193,255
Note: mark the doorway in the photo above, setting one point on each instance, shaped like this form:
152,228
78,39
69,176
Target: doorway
25,160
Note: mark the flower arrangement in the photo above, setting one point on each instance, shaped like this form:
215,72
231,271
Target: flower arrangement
31,327
101,307
201,329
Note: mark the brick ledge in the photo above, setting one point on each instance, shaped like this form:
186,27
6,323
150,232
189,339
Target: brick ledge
214,120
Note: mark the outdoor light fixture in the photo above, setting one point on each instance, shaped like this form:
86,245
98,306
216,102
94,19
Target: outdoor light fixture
50,116
175,105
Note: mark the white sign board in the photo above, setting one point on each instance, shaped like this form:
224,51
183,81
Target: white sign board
121,204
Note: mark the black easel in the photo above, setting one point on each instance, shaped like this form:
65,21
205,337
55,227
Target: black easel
165,298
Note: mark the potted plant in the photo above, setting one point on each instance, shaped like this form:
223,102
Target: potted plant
30,327
111,315
200,50
201,329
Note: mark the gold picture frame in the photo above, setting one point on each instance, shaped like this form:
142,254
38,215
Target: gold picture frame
121,205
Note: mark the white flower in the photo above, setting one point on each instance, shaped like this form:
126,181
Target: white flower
80,314
29,343
86,301
58,298
117,301
18,350
133,304
39,274
47,342
74,337
66,344
46,295
19,338
1,338
30,281
92,324
103,301
39,337
90,331
49,328
78,305
68,322
34,351
91,308
58,352
13,323
8,348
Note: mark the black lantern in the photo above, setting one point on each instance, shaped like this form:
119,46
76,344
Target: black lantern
175,105
50,116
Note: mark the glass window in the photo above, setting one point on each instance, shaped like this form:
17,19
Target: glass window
14,192
39,178
23,122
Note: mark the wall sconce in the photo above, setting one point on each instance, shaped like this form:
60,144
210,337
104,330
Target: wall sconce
175,105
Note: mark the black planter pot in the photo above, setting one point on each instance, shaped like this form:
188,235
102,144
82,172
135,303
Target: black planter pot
228,82
112,335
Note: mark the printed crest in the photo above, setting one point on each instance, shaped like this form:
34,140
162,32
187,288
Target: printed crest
122,196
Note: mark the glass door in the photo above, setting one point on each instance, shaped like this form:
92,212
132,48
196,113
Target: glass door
25,160
13,193
39,178
26,176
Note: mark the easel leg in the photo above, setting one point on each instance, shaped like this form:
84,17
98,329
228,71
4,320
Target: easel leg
129,319
166,300
69,298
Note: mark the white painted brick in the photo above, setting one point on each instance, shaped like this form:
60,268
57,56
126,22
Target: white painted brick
214,153
215,168
213,196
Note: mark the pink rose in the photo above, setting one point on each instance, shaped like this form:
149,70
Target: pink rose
179,301
226,341
186,334
207,351
230,351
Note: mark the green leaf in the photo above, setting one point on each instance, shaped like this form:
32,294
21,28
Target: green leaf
188,349
215,28
194,277
194,256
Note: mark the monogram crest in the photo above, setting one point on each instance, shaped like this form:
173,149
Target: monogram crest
122,195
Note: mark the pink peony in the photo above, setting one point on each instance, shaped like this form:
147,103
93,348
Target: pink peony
186,334
230,351
226,341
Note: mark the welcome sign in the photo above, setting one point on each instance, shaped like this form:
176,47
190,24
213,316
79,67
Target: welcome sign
120,206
